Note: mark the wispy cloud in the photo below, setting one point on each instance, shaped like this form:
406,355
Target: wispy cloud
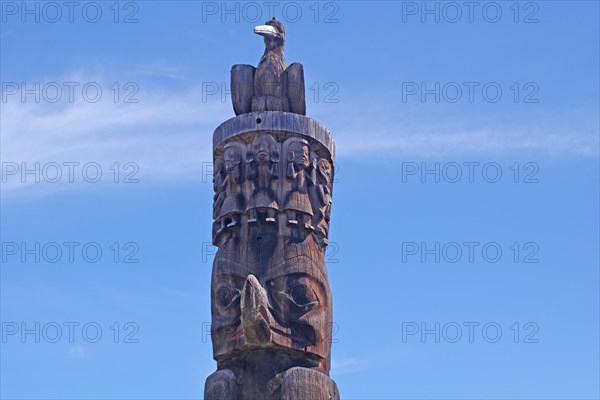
77,352
168,134
485,141
348,365
351,365
427,132
162,69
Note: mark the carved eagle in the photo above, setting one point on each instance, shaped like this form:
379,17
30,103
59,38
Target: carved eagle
271,86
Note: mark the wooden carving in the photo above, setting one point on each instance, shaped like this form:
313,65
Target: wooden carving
263,159
271,86
300,173
271,301
321,200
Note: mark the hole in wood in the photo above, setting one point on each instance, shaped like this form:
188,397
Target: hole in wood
258,120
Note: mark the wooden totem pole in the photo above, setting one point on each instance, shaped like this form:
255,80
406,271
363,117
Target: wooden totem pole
270,294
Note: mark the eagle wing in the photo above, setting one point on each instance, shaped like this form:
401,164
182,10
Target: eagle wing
293,80
242,88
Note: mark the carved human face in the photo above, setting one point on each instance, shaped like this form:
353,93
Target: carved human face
232,158
262,147
299,154
287,307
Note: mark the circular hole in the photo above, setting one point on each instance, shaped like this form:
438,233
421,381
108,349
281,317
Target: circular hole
258,120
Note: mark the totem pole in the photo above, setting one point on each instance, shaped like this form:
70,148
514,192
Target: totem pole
270,294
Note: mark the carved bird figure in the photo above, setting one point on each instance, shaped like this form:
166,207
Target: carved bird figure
271,86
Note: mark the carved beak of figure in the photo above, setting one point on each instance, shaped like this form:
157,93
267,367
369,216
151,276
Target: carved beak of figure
255,314
266,30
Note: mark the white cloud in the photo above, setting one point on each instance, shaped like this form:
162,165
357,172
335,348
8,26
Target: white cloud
77,352
168,134
347,365
163,69
430,132
485,141
351,365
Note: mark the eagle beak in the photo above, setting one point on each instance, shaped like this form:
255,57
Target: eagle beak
255,315
266,31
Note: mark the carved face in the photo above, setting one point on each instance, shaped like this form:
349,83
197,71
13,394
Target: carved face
262,148
324,168
299,154
287,307
298,303
232,158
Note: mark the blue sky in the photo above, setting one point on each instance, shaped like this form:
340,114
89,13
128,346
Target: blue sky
367,65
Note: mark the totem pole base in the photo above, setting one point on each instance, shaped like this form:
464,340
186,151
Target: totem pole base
294,384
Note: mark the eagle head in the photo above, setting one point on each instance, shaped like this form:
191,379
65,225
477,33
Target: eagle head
273,32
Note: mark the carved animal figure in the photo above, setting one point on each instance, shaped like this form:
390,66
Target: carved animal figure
271,329
271,86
